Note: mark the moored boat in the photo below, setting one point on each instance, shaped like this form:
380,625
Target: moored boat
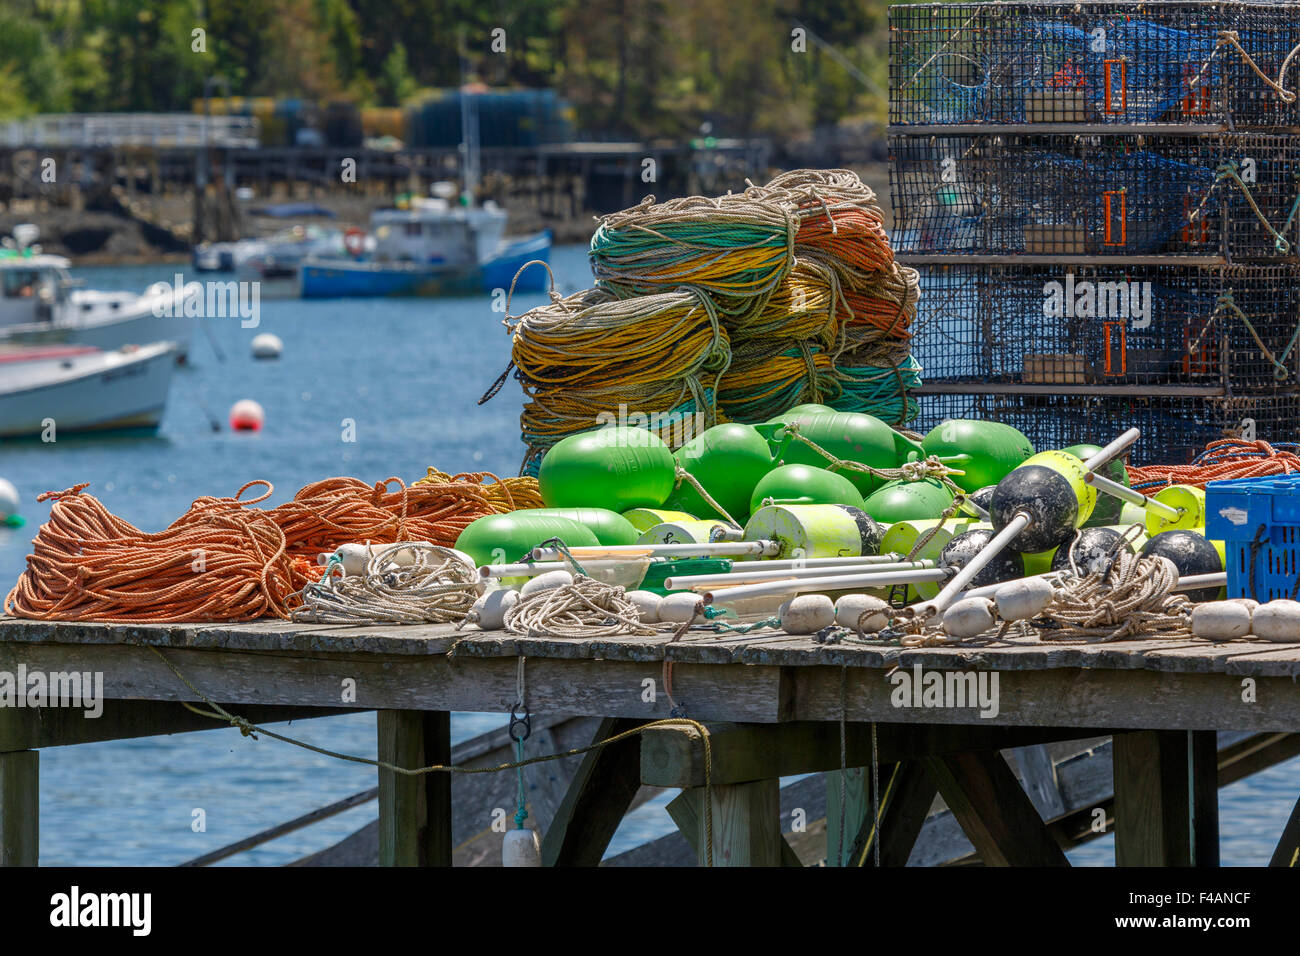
433,249
80,388
39,305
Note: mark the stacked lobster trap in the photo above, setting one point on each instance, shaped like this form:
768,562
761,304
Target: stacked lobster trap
1103,202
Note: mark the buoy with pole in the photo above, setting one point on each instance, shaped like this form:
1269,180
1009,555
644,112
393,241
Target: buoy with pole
1036,507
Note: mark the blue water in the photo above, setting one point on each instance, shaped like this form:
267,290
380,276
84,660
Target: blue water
406,376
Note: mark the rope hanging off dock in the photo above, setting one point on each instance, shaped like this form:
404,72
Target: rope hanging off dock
1224,459
437,587
250,729
220,561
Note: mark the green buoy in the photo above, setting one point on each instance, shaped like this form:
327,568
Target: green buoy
505,539
816,531
901,500
728,460
985,451
609,527
616,467
804,485
643,519
903,536
849,436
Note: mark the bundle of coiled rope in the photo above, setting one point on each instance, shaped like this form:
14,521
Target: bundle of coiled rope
436,586
224,560
220,561
804,300
732,248
1221,460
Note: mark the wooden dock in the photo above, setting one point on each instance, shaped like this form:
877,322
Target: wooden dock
775,706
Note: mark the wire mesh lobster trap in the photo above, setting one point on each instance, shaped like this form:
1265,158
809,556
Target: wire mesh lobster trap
1117,62
1174,428
1235,197
1230,327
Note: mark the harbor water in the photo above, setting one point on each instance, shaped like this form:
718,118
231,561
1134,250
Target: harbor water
370,388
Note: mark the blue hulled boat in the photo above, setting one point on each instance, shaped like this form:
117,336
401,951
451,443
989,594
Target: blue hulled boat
431,247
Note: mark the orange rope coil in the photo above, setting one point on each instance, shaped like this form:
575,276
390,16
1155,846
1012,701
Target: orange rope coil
1221,460
224,560
220,561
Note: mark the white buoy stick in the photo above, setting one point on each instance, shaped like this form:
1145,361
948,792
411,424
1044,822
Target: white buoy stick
760,573
1128,495
716,548
1113,450
874,579
940,601
1189,583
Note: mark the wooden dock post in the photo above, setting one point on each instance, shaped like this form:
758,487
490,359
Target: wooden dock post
414,812
746,824
19,808
1166,798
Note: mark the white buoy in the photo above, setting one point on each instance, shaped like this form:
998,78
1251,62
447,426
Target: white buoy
267,346
679,608
849,609
8,500
489,611
647,605
807,614
247,416
1249,603
1023,599
1277,621
1221,620
546,582
521,848
968,617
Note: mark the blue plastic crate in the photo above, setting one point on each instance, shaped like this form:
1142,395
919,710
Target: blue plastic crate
1258,519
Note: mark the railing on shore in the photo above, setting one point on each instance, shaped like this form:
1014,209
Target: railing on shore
160,130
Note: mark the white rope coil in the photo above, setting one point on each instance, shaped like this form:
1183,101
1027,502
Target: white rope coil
585,608
437,587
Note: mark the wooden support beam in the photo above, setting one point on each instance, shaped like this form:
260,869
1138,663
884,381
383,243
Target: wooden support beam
1038,777
746,824
907,793
674,756
1166,798
598,796
34,729
414,812
993,810
19,808
1288,847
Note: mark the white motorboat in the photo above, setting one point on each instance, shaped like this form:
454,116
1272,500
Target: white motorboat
40,306
79,388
